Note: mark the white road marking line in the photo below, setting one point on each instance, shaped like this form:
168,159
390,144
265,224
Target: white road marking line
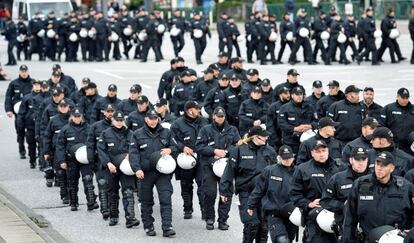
406,71
109,74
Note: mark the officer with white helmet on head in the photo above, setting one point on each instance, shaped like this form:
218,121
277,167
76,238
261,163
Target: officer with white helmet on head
149,145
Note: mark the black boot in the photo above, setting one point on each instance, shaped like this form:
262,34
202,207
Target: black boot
113,221
131,221
113,210
168,232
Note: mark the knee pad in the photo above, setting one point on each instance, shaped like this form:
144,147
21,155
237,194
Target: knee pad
87,178
101,182
60,173
282,239
128,192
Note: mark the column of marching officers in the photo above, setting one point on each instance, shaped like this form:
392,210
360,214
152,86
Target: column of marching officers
337,165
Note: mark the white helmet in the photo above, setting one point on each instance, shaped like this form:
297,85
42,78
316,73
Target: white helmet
92,33
73,37
249,37
204,113
341,38
240,38
160,28
21,37
394,34
127,31
125,167
114,36
296,217
51,34
273,36
166,164
198,33
219,166
174,31
385,234
166,125
306,135
185,161
41,33
304,32
325,35
16,107
377,34
326,220
81,155
289,36
142,36
83,33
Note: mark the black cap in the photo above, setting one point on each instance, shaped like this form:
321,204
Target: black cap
109,107
265,82
58,91
142,99
136,88
236,59
214,66
179,59
56,73
224,76
333,83
23,67
317,84
319,144
293,72
86,80
368,89
403,93
45,84
256,89
286,152
112,87
382,132
76,112
219,111
192,72
284,89
56,67
185,73
352,89
385,158
63,102
91,85
173,61
223,54
36,81
297,91
371,122
252,71
259,131
191,104
152,114
161,102
118,116
208,70
359,153
327,121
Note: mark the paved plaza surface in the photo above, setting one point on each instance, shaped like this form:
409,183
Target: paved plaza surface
27,187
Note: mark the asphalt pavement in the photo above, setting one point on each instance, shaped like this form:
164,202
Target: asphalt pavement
27,187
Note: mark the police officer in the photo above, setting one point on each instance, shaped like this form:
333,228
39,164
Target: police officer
368,127
387,24
26,120
160,26
350,113
35,31
86,25
340,184
223,61
271,192
309,181
150,143
317,93
382,139
291,82
182,92
251,82
184,132
399,117
234,33
272,126
264,31
126,106
72,47
337,28
23,42
213,143
62,31
177,22
319,25
245,164
10,33
372,109
103,36
115,28
248,33
14,94
252,111
411,30
100,105
204,85
295,118
223,33
334,95
71,135
166,117
126,22
78,95
236,66
51,25
267,91
232,99
65,79
141,22
326,132
136,119
153,39
200,42
254,38
50,141
369,39
286,26
87,102
351,32
167,81
94,134
382,197
301,22
37,103
114,143
55,82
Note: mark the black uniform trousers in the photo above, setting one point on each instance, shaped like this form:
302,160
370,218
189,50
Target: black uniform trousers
31,144
10,46
91,48
50,48
74,170
237,47
178,43
319,46
23,47
126,43
101,46
253,46
271,46
61,179
227,44
84,48
127,187
282,48
200,45
279,227
36,46
116,53
153,43
20,132
307,49
386,42
103,187
164,188
62,45
332,49
255,226
186,178
370,47
73,50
